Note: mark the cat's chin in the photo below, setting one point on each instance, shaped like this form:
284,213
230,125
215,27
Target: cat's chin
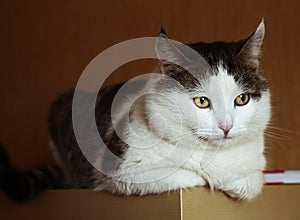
221,141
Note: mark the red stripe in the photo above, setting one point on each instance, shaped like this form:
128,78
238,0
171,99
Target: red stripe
275,183
274,171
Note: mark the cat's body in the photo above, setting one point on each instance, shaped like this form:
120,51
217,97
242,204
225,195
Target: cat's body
220,144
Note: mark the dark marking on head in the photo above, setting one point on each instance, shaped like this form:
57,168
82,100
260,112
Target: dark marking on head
226,55
240,59
181,76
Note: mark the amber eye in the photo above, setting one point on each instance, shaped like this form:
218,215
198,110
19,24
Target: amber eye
201,102
242,99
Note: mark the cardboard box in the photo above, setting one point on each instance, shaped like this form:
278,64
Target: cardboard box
276,202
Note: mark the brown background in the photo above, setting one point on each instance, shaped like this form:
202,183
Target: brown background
45,45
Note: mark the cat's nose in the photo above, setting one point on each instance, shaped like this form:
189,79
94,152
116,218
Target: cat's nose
225,128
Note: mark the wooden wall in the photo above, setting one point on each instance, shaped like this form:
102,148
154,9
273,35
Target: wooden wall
45,45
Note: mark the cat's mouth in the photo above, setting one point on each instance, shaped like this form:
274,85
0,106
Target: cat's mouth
216,140
212,138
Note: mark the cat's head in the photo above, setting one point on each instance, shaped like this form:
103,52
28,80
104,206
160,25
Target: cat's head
226,93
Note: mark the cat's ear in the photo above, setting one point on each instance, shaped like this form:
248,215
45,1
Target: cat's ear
251,47
169,52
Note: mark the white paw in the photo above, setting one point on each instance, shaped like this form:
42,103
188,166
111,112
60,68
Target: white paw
245,188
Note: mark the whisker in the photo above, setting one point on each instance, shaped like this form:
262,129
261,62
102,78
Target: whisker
272,141
276,134
273,133
282,129
273,127
273,136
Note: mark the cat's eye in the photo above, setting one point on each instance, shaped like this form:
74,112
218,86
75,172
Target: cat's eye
242,99
201,102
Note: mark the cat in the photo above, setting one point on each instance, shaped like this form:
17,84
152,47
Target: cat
218,117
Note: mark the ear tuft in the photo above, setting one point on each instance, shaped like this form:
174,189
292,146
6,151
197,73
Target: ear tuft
169,52
162,32
252,46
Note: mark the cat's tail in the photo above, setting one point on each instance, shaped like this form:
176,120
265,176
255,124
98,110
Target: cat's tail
22,186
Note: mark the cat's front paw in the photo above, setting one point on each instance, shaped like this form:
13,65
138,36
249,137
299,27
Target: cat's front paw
245,188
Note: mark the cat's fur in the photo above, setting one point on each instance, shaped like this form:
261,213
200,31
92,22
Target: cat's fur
233,164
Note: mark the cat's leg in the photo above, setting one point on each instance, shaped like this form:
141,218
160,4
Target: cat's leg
180,179
246,187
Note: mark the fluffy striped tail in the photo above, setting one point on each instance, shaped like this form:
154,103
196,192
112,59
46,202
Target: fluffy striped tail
22,186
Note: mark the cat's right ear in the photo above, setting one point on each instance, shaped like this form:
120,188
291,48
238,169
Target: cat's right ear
168,52
252,45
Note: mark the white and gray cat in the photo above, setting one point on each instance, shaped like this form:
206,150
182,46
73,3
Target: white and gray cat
218,117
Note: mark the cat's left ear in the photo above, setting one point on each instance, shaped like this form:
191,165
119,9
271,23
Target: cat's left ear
169,52
252,45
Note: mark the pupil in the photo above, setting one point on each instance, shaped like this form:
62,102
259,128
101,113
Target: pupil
242,98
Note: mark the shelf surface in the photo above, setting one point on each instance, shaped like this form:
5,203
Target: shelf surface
276,202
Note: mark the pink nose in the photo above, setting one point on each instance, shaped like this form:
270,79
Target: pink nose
225,129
